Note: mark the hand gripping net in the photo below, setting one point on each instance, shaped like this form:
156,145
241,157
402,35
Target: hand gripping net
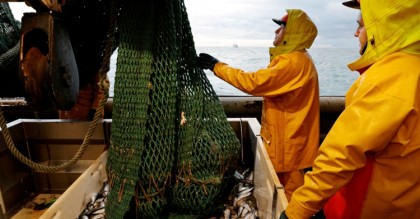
171,142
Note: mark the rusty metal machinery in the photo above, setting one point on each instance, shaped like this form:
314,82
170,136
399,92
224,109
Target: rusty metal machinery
47,63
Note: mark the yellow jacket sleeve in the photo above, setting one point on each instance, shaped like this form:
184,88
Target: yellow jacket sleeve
284,74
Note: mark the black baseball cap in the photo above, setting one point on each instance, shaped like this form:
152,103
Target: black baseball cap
352,4
281,21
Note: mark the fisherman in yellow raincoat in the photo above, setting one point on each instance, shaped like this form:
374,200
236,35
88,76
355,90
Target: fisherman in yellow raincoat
289,85
88,102
368,166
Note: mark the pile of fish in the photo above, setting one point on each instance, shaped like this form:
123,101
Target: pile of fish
95,209
242,204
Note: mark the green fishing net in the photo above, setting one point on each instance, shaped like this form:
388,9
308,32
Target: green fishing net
171,142
9,53
9,29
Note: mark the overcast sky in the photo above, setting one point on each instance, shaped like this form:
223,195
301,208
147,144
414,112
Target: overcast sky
248,22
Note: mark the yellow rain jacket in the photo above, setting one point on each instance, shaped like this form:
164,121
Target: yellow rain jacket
289,85
368,166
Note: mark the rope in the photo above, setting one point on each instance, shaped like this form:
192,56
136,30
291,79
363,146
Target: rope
9,142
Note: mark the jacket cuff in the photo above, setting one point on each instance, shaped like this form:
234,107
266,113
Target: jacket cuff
218,65
294,210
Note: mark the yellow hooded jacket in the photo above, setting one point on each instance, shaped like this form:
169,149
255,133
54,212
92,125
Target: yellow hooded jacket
369,163
289,85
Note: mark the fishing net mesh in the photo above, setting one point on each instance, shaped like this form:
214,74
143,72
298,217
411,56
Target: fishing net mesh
9,52
9,28
171,142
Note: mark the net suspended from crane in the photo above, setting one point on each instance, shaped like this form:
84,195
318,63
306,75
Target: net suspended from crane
171,142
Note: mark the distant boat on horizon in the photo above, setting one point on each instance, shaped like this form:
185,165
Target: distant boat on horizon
235,45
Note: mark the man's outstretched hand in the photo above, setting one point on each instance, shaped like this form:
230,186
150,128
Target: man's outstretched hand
206,61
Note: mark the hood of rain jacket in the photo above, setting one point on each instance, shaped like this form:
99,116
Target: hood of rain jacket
299,34
391,26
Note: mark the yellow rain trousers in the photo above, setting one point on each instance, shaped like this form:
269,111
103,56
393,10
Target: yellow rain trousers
289,85
368,166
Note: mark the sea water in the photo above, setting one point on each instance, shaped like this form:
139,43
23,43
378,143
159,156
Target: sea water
334,76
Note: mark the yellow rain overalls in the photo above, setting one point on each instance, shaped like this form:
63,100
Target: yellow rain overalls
289,85
368,166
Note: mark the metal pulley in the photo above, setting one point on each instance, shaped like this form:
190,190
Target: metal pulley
47,62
